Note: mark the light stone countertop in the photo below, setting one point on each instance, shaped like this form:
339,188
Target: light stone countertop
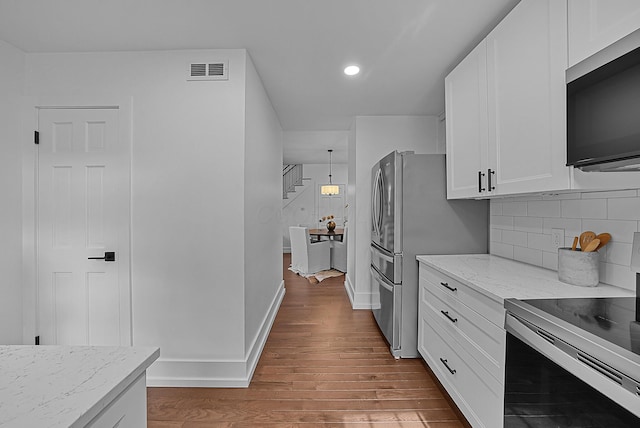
499,278
65,386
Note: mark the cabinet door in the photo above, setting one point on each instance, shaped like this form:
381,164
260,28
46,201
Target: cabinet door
595,24
466,124
526,62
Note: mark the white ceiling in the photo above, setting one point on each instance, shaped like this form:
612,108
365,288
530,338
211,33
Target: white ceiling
299,47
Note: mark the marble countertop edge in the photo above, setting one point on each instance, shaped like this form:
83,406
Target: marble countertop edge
65,386
500,278
103,403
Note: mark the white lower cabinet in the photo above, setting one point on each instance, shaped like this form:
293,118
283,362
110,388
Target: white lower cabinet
128,410
462,339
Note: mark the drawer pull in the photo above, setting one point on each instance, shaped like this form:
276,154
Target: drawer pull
452,371
446,314
448,287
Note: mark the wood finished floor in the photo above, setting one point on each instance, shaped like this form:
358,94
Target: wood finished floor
324,365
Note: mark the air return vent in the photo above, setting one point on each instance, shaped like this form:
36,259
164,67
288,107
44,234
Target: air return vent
214,70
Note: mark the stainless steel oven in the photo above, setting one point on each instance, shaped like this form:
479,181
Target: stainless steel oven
572,363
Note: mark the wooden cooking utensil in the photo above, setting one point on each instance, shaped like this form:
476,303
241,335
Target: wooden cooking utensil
592,246
604,239
575,243
585,238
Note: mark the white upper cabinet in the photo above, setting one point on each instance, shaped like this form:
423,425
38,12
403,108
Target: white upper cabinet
466,123
518,138
595,24
526,63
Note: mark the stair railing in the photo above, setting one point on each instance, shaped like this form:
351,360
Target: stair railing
291,177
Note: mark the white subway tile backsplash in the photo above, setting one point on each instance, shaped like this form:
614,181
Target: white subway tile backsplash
528,255
622,276
624,209
514,209
618,253
514,238
550,260
501,222
539,241
620,230
584,208
495,208
543,208
520,228
571,226
528,224
500,249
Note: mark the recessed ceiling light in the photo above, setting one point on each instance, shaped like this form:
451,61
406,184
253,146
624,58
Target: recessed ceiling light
352,70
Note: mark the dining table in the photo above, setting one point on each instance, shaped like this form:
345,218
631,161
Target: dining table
335,234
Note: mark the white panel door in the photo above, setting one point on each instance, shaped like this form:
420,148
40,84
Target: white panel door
83,212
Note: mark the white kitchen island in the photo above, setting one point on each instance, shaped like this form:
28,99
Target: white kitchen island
74,386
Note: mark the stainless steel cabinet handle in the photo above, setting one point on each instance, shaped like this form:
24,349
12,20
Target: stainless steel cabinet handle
448,287
445,362
446,314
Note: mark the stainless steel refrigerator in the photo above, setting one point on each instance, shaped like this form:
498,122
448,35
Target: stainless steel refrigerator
410,215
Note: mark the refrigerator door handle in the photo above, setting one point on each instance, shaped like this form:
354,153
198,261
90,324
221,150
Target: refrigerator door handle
381,279
380,201
383,254
375,203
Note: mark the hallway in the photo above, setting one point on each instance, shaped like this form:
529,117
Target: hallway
324,365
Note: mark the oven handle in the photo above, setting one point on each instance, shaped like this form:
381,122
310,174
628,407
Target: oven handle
572,360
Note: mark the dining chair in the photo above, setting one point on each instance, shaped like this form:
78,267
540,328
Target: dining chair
307,257
339,253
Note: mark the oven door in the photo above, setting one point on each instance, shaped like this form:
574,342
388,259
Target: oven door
550,383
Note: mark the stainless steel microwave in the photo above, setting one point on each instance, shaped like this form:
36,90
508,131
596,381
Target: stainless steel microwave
603,109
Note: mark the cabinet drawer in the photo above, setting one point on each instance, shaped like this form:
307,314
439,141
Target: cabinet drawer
484,340
488,308
474,390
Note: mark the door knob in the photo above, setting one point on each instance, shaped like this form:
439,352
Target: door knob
109,256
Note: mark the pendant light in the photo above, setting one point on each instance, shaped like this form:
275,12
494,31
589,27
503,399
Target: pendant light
330,189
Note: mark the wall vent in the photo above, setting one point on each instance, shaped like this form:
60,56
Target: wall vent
213,70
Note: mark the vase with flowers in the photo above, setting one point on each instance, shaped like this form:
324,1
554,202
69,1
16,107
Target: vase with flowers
331,225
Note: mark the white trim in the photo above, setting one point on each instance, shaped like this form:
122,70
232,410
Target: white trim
229,373
358,300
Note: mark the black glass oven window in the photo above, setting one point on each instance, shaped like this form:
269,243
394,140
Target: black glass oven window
541,394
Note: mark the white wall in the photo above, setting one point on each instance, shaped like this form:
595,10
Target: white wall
262,210
11,85
373,137
521,228
302,206
189,207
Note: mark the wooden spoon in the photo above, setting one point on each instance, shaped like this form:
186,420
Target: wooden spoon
604,239
575,243
592,246
585,238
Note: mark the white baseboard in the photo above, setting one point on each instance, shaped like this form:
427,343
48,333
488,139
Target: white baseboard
358,300
229,373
